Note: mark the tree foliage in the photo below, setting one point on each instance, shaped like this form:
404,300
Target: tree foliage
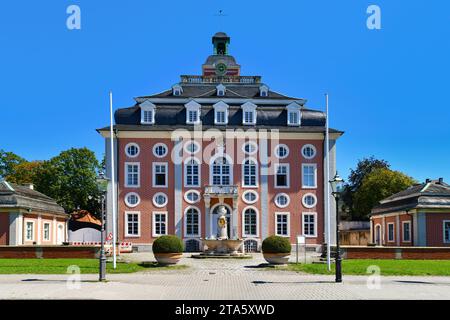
380,183
8,160
24,172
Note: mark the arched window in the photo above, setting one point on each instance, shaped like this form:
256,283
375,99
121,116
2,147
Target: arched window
250,223
249,173
192,173
192,218
221,172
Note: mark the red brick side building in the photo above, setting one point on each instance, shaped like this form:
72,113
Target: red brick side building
418,216
220,138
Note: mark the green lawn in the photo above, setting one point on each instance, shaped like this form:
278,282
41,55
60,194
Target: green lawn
387,267
59,266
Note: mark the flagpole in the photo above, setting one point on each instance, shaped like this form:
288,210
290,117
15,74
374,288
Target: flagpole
327,185
113,180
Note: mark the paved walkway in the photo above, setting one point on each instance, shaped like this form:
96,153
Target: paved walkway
219,279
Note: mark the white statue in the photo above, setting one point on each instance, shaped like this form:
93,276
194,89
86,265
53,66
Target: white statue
222,223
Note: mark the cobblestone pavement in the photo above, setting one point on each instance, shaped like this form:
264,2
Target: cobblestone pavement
219,279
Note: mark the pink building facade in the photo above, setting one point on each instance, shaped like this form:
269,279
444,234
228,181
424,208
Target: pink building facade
220,139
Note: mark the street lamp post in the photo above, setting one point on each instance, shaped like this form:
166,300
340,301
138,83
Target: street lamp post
102,186
336,187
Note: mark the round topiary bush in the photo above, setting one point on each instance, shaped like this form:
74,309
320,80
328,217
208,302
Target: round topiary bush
276,244
168,244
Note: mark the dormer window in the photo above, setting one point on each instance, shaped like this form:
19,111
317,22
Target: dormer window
177,90
221,90
192,112
293,114
249,113
147,113
220,113
264,91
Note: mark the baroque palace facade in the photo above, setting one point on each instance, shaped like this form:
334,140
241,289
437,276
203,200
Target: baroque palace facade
220,138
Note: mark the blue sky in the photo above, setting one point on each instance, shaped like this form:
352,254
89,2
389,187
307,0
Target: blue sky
388,88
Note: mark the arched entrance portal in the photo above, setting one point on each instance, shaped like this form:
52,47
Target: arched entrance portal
215,217
378,235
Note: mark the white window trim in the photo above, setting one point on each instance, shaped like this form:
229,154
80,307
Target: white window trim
393,231
185,172
306,205
315,175
262,89
253,143
250,191
443,231
159,205
192,191
49,231
249,107
288,173
199,222
126,224
220,87
310,146
256,185
129,204
192,106
186,150
126,175
154,164
304,214
230,162
282,194
154,213
294,107
147,106
160,145
244,235
177,88
220,106
381,234
403,231
130,145
275,150
288,223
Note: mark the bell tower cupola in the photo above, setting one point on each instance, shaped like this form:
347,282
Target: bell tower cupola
220,63
221,41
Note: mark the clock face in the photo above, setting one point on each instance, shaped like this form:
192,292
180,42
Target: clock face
221,69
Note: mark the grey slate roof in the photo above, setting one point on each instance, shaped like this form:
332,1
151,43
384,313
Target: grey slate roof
429,195
16,196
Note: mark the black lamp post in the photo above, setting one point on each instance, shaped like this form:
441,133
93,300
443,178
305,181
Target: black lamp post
336,187
102,184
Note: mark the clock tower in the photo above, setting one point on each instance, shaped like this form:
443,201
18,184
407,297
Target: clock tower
221,64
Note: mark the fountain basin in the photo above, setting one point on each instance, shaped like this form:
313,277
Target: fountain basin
221,247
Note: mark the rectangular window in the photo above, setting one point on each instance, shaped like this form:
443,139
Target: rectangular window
446,231
309,224
160,174
192,174
29,236
147,116
132,174
159,224
309,176
406,231
132,224
248,117
390,232
192,116
282,176
282,224
47,231
220,117
293,118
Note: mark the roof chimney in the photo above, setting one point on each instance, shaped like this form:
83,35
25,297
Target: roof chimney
428,181
441,180
30,185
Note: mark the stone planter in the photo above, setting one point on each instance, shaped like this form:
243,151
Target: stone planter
168,258
276,258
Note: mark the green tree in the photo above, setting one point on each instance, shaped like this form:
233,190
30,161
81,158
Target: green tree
24,172
357,175
378,184
70,178
8,160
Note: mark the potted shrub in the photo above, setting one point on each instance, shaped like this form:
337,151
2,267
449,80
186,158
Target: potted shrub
168,249
276,249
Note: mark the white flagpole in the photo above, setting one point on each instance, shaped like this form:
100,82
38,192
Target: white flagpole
113,178
327,185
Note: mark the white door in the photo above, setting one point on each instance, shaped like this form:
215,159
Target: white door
60,234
